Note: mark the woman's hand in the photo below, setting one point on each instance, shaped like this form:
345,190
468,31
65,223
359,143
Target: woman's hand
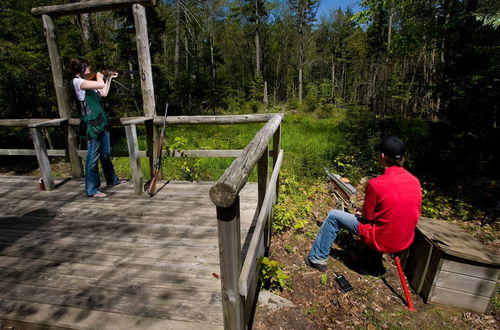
99,76
104,91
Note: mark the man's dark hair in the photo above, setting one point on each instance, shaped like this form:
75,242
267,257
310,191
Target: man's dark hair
393,149
394,162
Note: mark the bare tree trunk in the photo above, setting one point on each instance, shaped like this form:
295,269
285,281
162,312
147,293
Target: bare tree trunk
257,40
389,33
212,62
333,81
265,99
277,80
85,26
177,37
186,54
300,83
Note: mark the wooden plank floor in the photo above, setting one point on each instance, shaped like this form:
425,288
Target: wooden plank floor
124,262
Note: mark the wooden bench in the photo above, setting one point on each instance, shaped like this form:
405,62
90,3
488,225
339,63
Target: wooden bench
447,265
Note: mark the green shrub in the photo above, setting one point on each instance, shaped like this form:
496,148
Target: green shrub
293,208
271,276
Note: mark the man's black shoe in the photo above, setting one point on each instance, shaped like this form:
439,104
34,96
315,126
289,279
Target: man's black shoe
320,267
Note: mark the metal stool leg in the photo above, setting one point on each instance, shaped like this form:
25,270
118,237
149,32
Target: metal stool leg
403,284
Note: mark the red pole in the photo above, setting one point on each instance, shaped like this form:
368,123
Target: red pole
403,284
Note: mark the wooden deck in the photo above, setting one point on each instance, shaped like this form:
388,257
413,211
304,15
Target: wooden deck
125,262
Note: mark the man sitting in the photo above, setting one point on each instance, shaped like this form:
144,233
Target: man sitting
390,212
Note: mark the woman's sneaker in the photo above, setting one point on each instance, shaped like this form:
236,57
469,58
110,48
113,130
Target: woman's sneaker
99,194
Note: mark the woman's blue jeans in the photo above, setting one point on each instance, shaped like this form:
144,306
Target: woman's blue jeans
335,220
98,149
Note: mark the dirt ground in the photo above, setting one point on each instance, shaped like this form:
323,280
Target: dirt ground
376,302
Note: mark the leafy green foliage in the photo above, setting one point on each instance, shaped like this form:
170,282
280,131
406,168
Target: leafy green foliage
438,206
313,310
323,279
293,208
271,276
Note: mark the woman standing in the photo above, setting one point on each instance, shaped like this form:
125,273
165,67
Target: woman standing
94,123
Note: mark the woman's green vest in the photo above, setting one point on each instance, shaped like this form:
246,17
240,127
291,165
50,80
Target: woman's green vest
94,119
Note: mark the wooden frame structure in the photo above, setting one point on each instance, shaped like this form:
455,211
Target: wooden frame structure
48,13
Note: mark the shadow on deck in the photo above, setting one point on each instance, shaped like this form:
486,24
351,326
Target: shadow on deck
123,262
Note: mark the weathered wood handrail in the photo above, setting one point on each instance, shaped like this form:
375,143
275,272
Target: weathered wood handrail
87,7
191,120
224,192
22,122
135,121
49,123
204,120
249,273
239,286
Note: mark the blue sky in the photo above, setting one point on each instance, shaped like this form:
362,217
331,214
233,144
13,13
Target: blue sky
326,5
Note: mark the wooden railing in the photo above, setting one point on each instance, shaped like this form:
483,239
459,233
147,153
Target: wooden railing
239,279
37,126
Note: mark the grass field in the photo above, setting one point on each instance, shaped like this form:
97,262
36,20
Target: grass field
307,143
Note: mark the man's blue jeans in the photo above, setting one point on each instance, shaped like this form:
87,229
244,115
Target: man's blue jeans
98,149
335,220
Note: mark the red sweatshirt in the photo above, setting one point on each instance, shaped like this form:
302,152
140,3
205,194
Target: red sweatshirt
391,210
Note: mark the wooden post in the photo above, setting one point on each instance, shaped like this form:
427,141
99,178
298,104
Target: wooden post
141,37
135,162
147,88
150,129
228,226
62,95
43,157
276,152
263,176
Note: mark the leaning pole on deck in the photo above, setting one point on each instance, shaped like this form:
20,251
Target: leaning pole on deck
62,95
48,13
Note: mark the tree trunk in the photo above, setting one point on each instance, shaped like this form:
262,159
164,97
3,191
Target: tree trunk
333,81
177,37
266,99
85,26
257,41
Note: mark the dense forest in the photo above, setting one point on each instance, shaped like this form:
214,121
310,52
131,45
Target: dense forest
426,70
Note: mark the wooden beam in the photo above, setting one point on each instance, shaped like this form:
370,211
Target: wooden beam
21,122
150,138
48,123
204,120
228,226
142,41
262,177
135,121
236,175
230,119
202,153
57,67
87,7
135,161
62,95
275,152
253,255
43,158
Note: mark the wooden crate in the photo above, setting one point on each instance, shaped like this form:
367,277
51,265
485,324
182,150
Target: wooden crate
447,265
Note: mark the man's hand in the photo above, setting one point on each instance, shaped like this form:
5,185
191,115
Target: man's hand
358,212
